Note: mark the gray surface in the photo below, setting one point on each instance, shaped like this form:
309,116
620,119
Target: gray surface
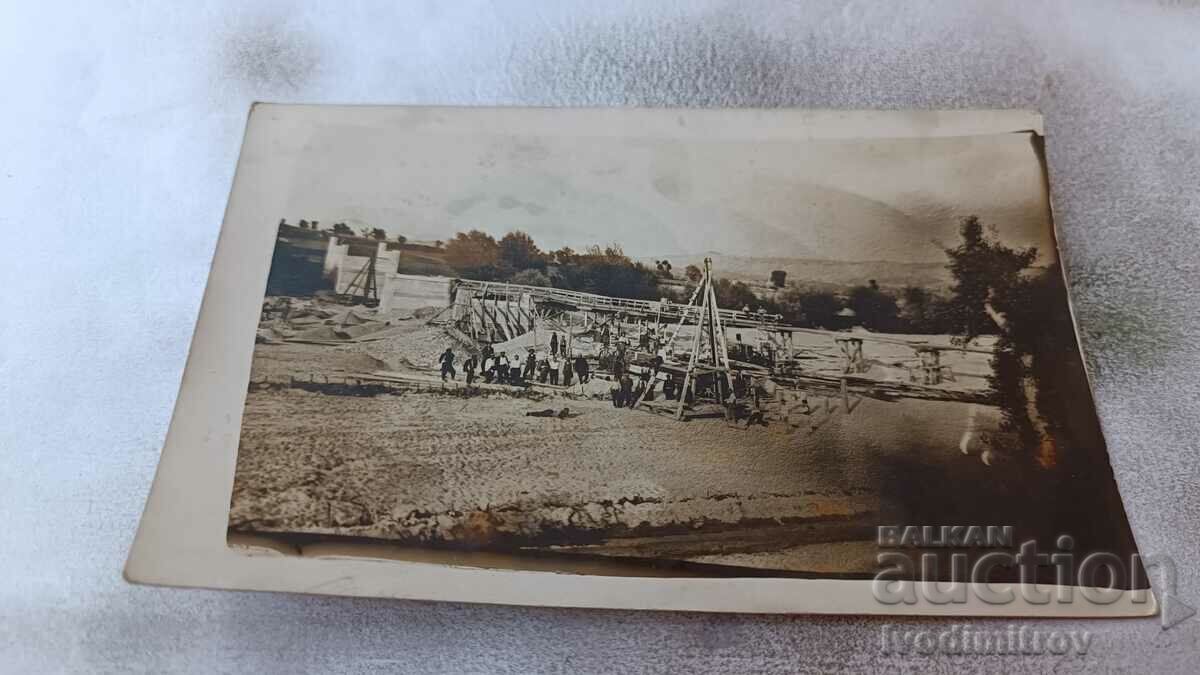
121,130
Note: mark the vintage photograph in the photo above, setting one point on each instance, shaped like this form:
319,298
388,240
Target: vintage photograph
714,355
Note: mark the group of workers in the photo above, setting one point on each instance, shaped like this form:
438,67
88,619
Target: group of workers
501,368
648,338
742,401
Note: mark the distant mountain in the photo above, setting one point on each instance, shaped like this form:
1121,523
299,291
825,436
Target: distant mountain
817,273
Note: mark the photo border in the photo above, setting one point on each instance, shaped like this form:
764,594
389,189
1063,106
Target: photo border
182,537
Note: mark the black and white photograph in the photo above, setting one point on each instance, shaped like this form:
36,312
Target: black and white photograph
645,354
708,336
465,336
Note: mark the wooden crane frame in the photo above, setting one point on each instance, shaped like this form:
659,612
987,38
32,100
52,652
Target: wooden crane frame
710,337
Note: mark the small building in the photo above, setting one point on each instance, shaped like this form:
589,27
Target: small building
345,258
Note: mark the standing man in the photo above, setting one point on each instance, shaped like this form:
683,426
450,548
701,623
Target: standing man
514,370
731,410
555,368
566,369
646,382
581,368
626,390
554,344
501,368
485,362
469,368
530,364
447,361
636,395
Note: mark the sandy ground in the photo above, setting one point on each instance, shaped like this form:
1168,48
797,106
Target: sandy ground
469,470
443,469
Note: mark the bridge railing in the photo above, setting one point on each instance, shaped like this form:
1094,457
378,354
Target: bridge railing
666,310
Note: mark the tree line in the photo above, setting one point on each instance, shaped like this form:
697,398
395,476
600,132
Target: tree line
979,264
517,258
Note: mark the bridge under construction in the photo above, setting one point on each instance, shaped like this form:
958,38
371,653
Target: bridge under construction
516,318
696,348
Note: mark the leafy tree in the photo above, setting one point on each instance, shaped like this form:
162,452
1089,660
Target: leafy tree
663,267
982,267
378,233
607,271
734,295
815,309
694,274
342,229
517,251
875,309
475,255
402,239
1037,373
923,312
531,277
517,258
779,278
676,295
613,251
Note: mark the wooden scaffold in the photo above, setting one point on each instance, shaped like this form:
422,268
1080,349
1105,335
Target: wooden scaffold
363,288
710,353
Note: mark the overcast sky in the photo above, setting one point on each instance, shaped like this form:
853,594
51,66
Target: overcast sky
857,200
